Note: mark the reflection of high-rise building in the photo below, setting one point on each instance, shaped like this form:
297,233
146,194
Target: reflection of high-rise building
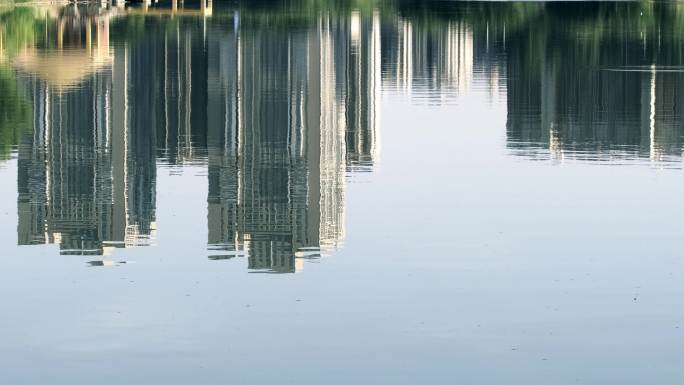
222,142
280,145
278,115
363,92
87,172
181,113
63,169
334,127
421,57
619,104
297,107
139,131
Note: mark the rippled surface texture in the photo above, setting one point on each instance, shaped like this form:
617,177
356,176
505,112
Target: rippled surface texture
329,192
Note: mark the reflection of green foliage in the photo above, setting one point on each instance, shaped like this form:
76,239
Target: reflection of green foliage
135,27
423,13
15,112
590,33
478,14
289,13
18,26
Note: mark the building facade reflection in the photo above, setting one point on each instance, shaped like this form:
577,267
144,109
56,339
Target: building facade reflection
279,117
281,109
277,164
87,171
597,99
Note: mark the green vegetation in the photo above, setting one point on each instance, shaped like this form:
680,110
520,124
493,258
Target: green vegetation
17,31
15,112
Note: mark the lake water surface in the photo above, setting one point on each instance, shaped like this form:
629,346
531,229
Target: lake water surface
331,192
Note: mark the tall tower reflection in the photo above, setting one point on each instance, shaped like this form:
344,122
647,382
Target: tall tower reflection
420,57
87,174
277,162
290,111
616,97
279,116
363,92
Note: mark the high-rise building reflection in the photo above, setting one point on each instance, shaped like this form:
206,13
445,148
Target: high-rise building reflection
597,99
280,110
424,61
363,90
87,172
278,116
277,165
281,116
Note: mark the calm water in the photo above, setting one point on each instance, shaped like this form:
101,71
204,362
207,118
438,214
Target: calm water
332,193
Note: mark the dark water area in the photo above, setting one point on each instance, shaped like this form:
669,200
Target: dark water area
385,192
